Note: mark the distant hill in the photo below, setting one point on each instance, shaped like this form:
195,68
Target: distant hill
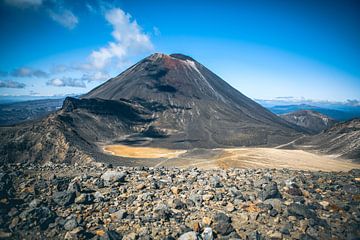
18,112
313,121
339,113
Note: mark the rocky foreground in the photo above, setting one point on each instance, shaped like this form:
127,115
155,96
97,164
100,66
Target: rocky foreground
101,202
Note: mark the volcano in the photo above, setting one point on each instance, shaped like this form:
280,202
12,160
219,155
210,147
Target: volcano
200,109
169,101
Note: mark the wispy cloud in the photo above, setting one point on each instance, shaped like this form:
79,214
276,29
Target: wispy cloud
29,72
286,97
78,82
11,84
55,9
25,3
66,82
129,39
64,17
96,76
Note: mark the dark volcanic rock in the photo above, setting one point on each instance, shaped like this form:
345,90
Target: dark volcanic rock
269,191
222,224
41,216
301,210
64,198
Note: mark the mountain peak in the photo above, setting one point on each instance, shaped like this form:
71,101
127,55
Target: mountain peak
181,56
173,56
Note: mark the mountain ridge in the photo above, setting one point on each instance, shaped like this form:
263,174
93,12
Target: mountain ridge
313,121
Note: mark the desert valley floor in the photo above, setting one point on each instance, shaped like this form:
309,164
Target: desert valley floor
225,158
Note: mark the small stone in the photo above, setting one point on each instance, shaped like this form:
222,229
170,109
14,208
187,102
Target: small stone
178,204
188,236
286,229
85,199
196,227
162,211
294,191
230,207
35,203
111,235
70,224
207,197
324,204
130,236
215,182
100,232
206,221
275,203
196,199
140,187
121,214
275,235
175,190
207,234
273,212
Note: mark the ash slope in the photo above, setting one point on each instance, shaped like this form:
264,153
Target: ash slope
341,140
313,121
200,109
167,101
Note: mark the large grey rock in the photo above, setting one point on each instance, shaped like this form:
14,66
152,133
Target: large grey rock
111,176
64,198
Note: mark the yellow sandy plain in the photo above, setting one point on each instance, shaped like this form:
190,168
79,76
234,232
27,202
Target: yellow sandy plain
238,158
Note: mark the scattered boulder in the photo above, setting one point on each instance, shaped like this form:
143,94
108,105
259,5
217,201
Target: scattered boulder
111,176
64,198
270,190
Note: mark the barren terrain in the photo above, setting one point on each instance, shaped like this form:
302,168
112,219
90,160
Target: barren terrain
234,157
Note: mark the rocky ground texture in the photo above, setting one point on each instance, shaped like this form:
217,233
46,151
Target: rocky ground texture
58,201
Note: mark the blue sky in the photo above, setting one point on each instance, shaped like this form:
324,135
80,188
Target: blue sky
266,49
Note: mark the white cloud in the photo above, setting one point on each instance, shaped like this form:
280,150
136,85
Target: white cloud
11,84
64,17
97,76
129,39
66,82
29,72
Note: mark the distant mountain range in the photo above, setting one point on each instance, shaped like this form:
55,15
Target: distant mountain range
17,112
339,113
